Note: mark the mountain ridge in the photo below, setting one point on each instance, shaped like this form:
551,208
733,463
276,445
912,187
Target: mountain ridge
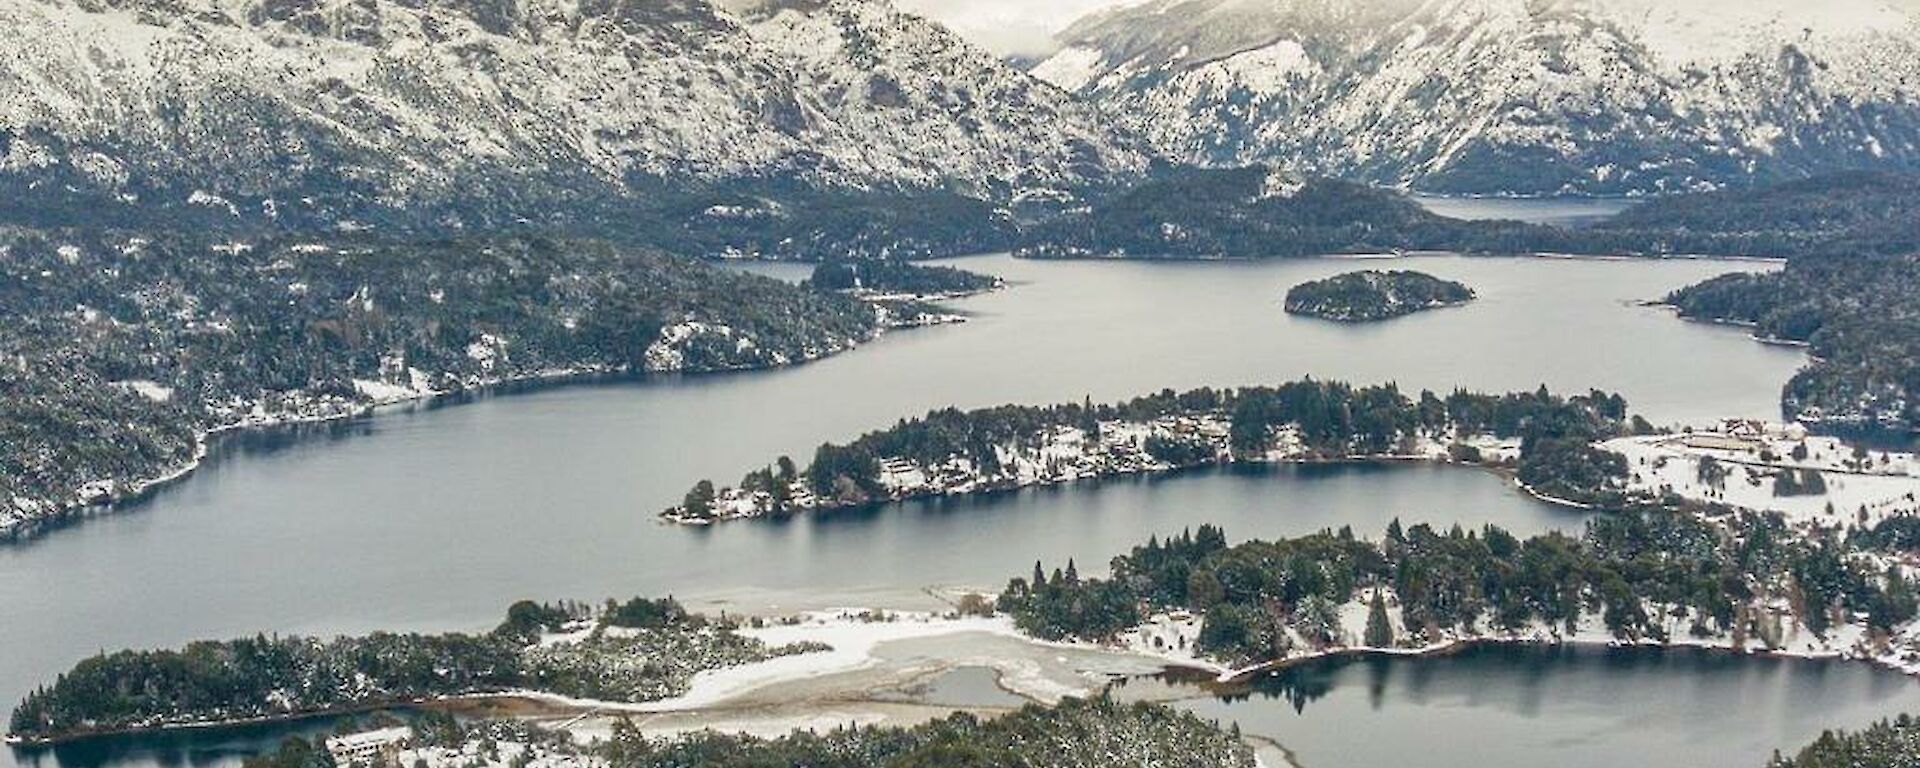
1524,97
347,113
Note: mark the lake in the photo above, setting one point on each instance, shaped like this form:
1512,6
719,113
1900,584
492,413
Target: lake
436,518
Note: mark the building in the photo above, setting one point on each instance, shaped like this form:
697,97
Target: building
371,748
1716,441
901,475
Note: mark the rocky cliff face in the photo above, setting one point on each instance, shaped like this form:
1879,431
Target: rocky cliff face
479,112
1512,96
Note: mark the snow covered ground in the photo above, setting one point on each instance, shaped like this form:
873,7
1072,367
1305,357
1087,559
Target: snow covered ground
854,636
1881,484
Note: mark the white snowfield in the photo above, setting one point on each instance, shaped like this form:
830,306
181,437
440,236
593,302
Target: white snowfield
855,637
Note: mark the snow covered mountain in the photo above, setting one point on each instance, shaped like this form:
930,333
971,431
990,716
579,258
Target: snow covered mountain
1512,96
474,112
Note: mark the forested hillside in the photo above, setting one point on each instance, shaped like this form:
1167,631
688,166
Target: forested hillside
1637,574
117,350
1860,316
1891,744
1862,213
1074,734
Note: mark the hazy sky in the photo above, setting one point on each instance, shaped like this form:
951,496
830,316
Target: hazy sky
1007,26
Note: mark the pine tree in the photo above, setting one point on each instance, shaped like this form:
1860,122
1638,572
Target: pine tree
1039,577
1379,627
699,501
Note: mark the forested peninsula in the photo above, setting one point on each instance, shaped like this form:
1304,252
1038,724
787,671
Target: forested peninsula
1545,440
633,651
1860,319
1644,574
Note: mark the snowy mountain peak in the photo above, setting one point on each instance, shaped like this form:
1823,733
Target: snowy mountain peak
1511,96
504,108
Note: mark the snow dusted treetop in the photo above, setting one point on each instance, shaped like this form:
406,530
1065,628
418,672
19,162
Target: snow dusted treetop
1512,96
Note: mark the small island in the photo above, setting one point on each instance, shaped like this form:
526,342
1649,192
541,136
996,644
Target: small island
1369,296
900,280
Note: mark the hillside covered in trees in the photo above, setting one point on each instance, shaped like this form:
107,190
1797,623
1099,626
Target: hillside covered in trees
1255,212
119,351
1860,213
899,278
1075,734
1637,575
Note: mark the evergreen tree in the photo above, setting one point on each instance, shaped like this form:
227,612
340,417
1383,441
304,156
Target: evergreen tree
1379,627
699,501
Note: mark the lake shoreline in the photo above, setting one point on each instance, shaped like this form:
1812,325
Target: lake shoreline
715,697
118,501
1243,675
36,743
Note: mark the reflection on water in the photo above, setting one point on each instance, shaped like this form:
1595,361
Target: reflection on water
1559,211
1579,707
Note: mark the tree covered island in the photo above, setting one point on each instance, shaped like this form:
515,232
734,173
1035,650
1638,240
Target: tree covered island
1372,295
900,279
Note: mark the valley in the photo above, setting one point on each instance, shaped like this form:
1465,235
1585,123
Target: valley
524,537
1466,383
